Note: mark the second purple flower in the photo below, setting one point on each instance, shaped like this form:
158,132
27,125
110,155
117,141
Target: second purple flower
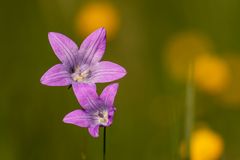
97,110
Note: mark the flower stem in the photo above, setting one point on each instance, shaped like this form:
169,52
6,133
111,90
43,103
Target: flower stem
104,142
189,110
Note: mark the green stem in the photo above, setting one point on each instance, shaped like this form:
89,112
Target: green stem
189,110
104,142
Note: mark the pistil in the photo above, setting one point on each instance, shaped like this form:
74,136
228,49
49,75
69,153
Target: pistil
79,75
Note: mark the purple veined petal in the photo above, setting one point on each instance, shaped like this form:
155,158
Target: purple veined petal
56,76
111,112
93,47
86,95
64,48
106,72
78,117
108,94
94,131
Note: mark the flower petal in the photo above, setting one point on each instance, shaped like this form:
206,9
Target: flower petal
78,117
86,95
106,72
109,93
64,48
111,112
56,76
94,131
93,47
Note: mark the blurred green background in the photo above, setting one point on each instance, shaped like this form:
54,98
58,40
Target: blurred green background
156,41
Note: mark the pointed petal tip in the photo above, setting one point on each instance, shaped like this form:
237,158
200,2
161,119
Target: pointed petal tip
96,136
108,95
94,131
121,69
53,35
102,29
122,72
50,34
115,85
56,76
66,119
99,30
43,80
45,83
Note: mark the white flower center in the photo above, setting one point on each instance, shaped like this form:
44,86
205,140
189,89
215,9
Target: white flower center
80,76
102,117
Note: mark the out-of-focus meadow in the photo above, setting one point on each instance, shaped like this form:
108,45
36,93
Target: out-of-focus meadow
181,95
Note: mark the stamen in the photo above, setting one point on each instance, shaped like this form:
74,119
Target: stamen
80,76
103,117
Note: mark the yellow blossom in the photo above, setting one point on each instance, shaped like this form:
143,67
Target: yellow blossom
96,15
211,73
205,144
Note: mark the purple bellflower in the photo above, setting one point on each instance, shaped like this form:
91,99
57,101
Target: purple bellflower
81,64
98,111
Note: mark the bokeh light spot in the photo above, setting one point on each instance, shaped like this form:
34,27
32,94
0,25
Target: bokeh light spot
205,144
211,73
96,15
182,49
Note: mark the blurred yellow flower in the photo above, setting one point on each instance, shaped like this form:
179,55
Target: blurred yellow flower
205,144
96,15
211,73
182,49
